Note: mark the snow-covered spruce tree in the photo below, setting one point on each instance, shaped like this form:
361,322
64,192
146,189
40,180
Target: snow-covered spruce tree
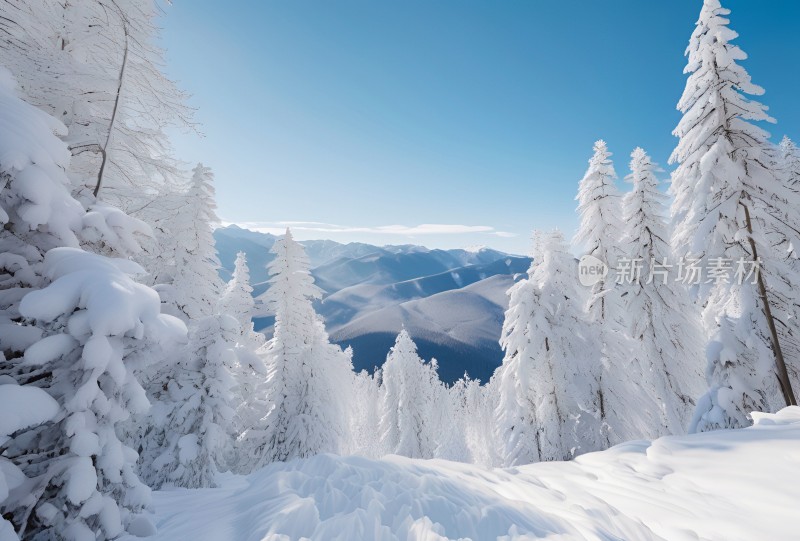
600,210
237,301
194,287
191,432
71,321
364,422
307,376
660,317
727,204
82,476
788,246
237,298
410,391
480,401
456,418
549,406
158,252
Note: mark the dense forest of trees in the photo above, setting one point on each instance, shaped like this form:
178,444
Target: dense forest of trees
139,367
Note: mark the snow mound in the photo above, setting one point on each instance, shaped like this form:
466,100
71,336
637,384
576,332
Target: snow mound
731,485
23,407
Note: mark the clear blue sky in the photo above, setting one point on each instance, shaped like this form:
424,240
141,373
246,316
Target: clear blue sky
365,119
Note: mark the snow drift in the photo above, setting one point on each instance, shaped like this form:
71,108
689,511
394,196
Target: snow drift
732,485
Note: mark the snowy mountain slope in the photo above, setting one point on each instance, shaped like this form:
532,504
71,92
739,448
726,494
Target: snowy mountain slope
336,265
735,485
460,328
382,267
356,301
232,239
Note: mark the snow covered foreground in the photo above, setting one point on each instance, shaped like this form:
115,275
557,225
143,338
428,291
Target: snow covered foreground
727,485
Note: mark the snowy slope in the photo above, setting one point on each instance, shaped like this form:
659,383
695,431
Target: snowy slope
338,265
356,301
383,267
460,328
232,239
740,485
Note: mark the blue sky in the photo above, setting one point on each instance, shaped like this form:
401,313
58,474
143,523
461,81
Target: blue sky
365,120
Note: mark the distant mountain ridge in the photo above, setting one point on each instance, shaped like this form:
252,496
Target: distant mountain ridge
451,301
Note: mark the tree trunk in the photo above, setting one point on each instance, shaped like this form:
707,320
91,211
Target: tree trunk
104,148
780,364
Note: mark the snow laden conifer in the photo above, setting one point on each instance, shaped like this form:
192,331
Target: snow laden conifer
191,430
727,210
71,322
479,413
411,388
365,435
237,301
549,406
83,477
788,247
237,297
307,376
600,210
599,207
456,417
194,287
661,319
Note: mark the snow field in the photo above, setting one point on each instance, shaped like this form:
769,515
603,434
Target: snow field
725,485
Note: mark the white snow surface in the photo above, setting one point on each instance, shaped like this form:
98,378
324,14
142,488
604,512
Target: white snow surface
22,407
725,485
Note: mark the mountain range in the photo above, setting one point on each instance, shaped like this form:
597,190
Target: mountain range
451,301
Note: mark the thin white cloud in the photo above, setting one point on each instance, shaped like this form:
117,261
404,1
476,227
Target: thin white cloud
278,228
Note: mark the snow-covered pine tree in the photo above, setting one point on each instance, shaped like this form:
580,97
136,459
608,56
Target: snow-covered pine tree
194,287
599,207
600,210
70,322
365,433
549,406
727,204
191,432
307,376
237,301
788,246
480,406
410,391
455,418
83,477
660,317
237,298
